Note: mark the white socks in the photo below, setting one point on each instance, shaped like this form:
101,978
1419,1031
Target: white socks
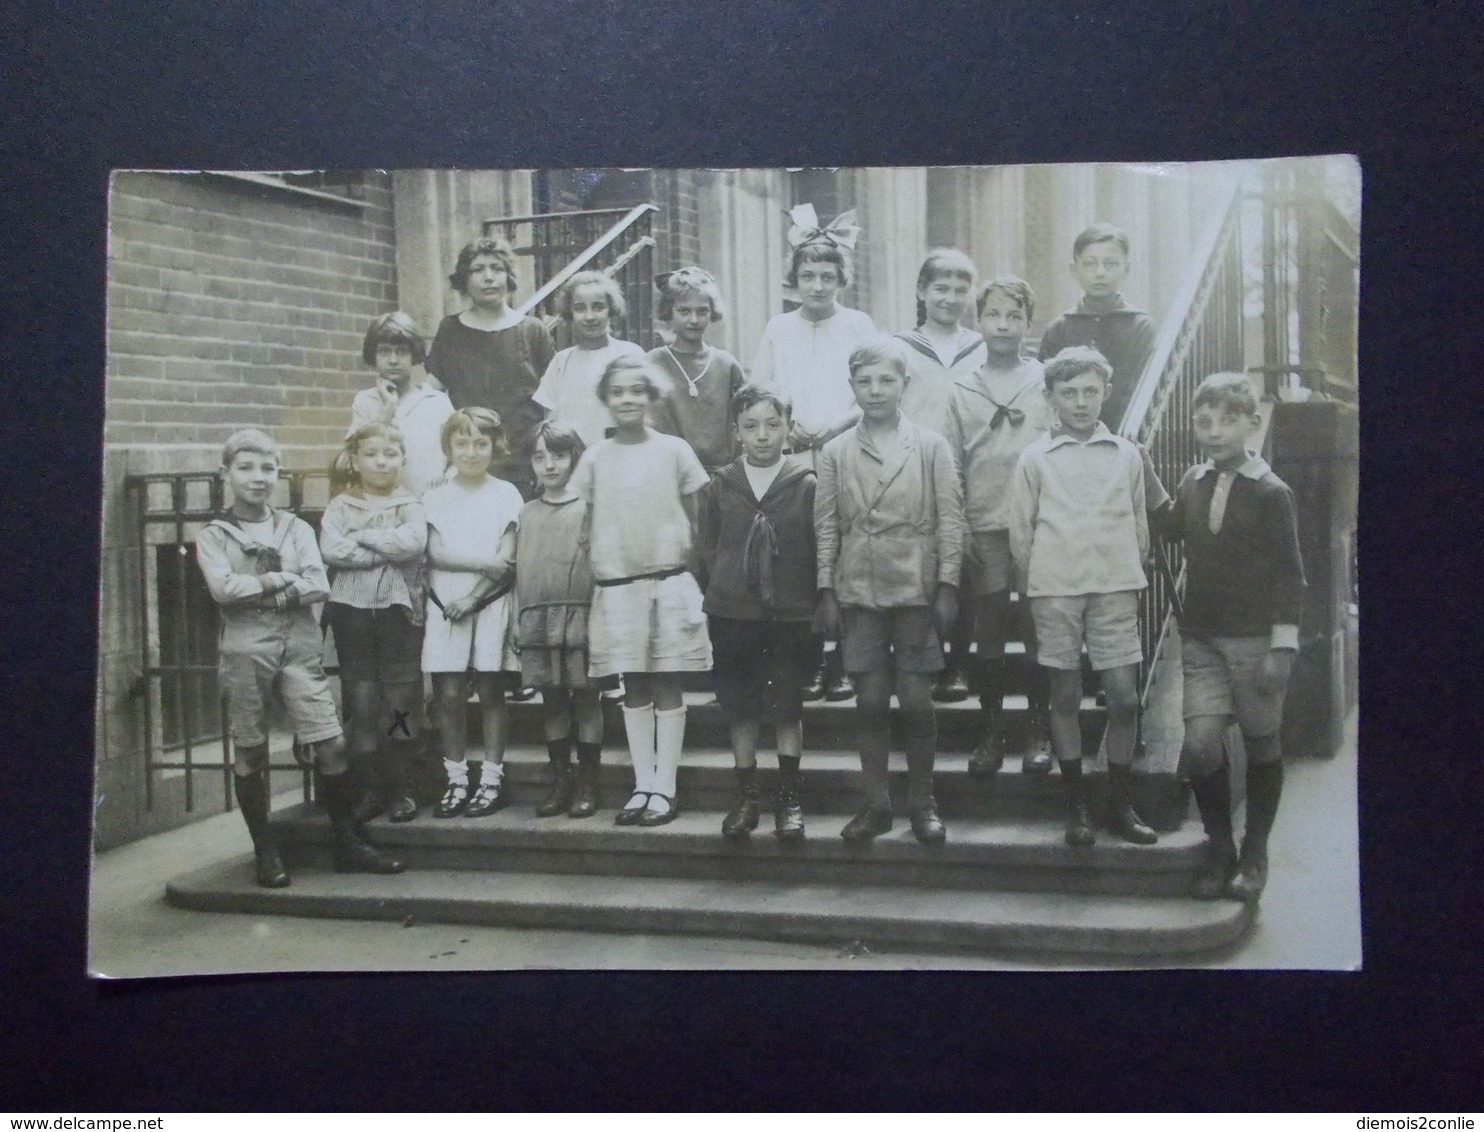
458,772
669,737
639,726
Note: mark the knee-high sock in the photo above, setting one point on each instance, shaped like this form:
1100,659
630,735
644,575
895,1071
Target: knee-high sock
1213,798
639,726
991,695
1264,789
920,735
875,747
669,741
252,799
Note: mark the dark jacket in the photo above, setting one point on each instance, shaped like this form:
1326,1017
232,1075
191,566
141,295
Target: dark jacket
1248,577
1123,335
758,555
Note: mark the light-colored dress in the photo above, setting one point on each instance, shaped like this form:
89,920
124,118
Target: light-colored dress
931,375
569,387
809,363
469,522
646,614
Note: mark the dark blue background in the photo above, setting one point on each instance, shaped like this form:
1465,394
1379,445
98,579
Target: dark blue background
353,85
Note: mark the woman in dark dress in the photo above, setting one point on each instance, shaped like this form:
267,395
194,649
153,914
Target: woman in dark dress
491,355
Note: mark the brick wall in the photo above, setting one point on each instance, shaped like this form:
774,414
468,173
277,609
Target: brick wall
231,305
228,305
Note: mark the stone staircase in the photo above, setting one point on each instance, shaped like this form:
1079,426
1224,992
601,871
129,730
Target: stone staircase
1005,880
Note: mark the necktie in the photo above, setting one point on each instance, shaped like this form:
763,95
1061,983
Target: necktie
1002,413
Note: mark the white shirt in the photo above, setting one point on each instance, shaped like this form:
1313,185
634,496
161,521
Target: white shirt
762,478
809,363
419,415
569,387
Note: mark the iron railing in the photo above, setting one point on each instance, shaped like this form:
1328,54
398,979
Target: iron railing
1311,283
182,710
560,244
1203,336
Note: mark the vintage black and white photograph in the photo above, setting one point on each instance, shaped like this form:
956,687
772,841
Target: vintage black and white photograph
809,568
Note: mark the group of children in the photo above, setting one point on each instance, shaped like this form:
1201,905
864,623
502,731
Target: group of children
885,493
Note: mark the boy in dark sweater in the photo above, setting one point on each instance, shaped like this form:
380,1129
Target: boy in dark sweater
757,551
1102,320
1239,627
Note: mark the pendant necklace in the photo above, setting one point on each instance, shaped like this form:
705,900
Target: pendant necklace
685,373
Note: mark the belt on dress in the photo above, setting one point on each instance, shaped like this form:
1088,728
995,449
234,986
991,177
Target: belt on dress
653,576
487,600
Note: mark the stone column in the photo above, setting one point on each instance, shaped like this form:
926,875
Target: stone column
894,240
741,225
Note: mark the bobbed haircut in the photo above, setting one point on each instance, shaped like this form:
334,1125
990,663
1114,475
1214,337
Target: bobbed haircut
686,279
1099,233
656,383
395,328
943,263
474,421
1012,286
880,349
818,253
343,474
1073,362
1227,391
559,439
754,394
617,307
485,245
250,440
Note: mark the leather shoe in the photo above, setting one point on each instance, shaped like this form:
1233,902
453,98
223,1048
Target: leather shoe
814,689
788,818
353,855
1037,762
950,687
927,826
1210,883
486,799
1079,826
987,758
874,820
631,813
1250,880
455,799
838,688
559,796
651,818
1127,824
743,818
402,809
268,870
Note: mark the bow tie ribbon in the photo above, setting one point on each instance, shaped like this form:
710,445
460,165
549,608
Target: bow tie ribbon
805,229
684,279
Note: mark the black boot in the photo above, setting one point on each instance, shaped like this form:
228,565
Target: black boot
788,816
1079,822
989,755
1264,790
352,852
585,793
743,818
559,795
951,686
252,799
1123,819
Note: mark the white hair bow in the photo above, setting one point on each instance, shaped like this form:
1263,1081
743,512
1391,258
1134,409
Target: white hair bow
842,232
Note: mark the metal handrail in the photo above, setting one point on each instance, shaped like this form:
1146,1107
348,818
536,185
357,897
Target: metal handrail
587,255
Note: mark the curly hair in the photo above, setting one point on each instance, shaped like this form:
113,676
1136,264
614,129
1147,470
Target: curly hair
485,245
654,379
676,283
1012,286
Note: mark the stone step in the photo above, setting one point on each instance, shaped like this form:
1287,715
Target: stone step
882,918
1006,854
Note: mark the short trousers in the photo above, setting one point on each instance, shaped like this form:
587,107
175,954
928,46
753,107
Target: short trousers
993,570
265,654
905,638
483,641
377,644
1108,624
1223,676
761,668
648,625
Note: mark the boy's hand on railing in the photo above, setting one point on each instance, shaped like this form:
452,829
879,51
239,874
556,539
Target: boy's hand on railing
1277,667
827,615
945,608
